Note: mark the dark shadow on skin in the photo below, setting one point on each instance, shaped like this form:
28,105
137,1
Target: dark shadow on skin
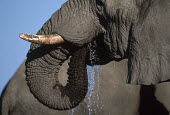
100,54
165,81
148,103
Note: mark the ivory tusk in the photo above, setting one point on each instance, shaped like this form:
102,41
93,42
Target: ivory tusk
42,39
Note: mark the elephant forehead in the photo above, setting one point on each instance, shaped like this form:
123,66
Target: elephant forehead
125,6
117,3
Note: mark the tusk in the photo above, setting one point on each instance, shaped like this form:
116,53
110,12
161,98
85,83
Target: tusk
42,39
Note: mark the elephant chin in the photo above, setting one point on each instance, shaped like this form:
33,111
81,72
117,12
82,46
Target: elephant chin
42,69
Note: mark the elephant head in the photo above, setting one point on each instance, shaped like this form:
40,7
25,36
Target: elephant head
119,29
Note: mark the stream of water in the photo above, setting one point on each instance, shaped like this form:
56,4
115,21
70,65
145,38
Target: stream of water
94,102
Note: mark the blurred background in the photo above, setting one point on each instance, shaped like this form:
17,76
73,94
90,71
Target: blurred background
20,16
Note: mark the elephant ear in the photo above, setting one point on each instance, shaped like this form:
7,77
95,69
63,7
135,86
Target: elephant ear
149,48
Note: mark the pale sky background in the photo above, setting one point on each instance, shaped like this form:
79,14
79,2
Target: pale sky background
20,16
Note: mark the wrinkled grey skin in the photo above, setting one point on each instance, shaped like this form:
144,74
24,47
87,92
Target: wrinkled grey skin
137,30
17,99
117,97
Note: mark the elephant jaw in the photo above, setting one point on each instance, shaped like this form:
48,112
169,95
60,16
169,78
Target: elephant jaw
42,39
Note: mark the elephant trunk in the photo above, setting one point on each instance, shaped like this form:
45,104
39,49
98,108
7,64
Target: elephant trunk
43,81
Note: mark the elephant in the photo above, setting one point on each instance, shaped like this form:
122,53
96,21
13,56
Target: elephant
136,30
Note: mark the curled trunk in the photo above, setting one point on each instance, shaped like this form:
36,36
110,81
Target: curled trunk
42,79
76,23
